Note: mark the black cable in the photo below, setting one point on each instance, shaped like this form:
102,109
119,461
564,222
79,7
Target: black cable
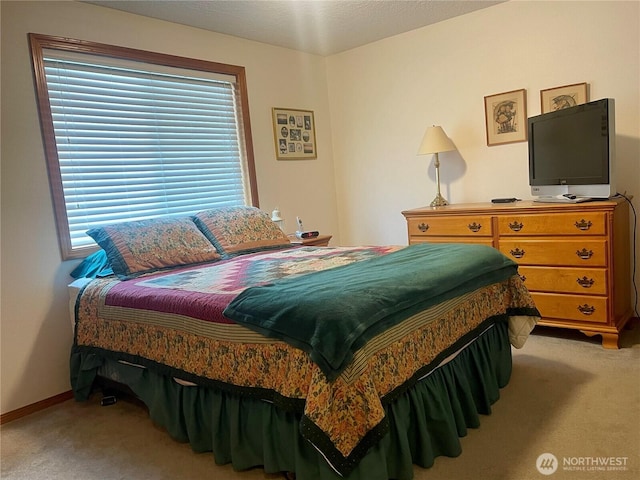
633,273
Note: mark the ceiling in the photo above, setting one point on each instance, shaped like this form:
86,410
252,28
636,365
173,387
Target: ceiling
322,27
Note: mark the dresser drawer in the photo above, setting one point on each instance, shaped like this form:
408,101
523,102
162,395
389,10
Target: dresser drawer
558,224
475,226
588,281
582,308
560,252
475,240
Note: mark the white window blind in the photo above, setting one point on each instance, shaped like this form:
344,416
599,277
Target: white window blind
134,143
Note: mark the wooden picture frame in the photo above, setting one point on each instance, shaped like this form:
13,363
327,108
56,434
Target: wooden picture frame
294,133
506,117
557,98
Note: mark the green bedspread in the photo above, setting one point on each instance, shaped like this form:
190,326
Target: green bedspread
331,314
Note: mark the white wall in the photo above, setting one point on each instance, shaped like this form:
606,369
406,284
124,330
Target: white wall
381,98
35,330
384,95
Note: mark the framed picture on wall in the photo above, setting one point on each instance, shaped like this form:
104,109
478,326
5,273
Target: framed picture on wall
557,98
294,133
506,117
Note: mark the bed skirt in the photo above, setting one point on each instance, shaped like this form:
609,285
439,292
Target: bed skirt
425,422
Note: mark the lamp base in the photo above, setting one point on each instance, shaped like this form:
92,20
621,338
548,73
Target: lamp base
439,201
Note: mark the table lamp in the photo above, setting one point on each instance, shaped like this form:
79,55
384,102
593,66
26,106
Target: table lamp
436,141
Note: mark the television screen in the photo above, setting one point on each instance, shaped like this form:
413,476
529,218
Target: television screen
571,151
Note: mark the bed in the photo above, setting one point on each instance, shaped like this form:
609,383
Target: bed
325,362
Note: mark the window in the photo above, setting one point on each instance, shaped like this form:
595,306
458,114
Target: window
132,135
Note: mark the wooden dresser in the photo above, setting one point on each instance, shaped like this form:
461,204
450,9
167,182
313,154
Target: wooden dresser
573,258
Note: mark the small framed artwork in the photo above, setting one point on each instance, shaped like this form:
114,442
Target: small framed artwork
557,98
294,133
506,117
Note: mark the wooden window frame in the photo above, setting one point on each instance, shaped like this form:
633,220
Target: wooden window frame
38,43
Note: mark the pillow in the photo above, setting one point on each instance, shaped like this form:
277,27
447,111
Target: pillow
145,246
236,230
95,265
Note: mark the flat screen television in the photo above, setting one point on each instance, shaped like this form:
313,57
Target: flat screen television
572,153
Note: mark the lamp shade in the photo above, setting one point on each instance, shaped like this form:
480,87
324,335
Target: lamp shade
434,141
276,216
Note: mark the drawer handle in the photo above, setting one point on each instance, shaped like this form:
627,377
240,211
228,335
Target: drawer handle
584,254
474,227
423,227
517,253
586,282
584,224
586,309
516,226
